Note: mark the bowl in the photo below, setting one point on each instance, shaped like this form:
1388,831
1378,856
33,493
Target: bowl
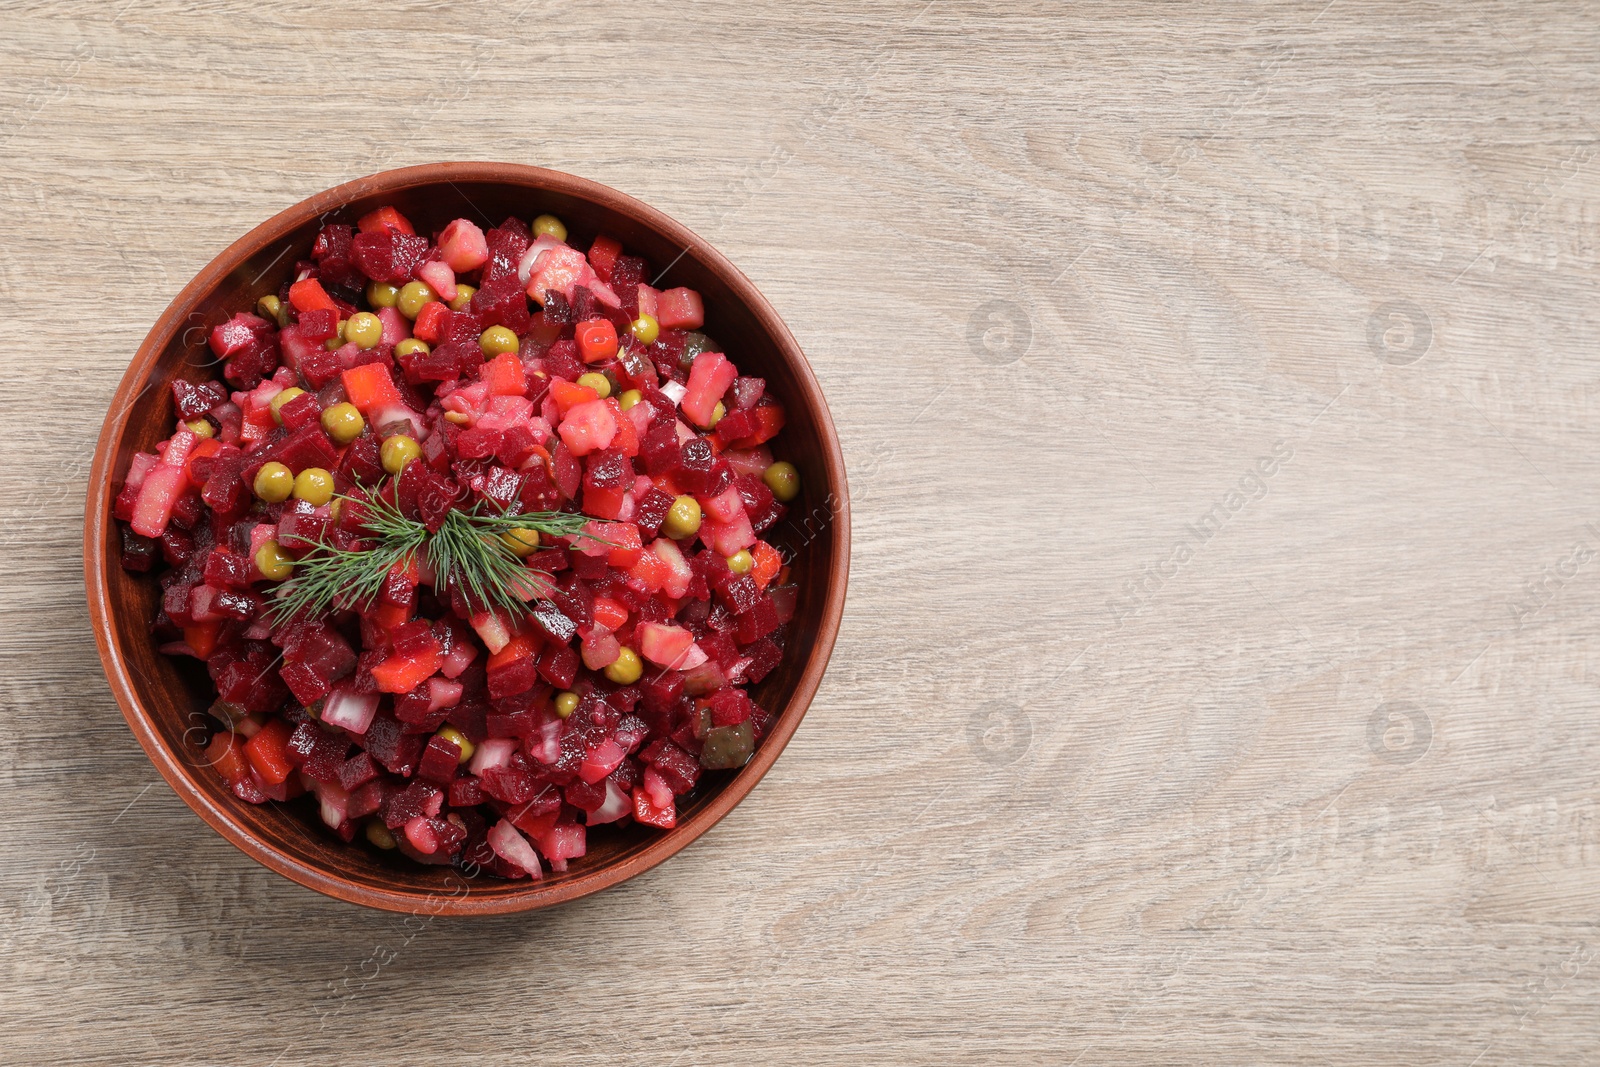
164,699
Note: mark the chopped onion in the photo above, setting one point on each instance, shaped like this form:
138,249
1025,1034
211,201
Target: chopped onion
351,710
545,746
494,752
673,391
512,847
616,806
529,258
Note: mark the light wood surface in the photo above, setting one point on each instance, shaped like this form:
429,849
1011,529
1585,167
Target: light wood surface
1130,751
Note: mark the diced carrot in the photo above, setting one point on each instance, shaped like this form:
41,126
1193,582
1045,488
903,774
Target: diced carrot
521,646
627,437
308,295
369,386
597,340
429,326
505,375
610,613
201,638
401,674
391,616
767,563
603,256
226,754
385,218
569,394
268,752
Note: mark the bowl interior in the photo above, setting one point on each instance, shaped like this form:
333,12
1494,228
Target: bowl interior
169,696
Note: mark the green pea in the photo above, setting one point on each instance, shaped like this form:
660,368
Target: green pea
549,225
270,307
596,381
626,668
683,518
497,340
645,329
343,422
364,328
274,482
523,541
459,739
398,451
414,296
271,561
783,480
382,295
314,485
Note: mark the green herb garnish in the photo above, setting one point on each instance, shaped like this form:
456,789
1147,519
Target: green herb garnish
468,551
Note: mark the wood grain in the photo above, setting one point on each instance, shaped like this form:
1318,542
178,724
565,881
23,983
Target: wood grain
1319,789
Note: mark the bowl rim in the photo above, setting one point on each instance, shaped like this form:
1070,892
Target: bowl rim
98,525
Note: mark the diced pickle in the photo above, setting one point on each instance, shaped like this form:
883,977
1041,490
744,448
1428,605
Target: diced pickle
727,747
694,344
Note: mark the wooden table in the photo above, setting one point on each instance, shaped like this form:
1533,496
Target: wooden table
1219,390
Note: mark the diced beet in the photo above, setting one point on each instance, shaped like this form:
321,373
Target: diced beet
302,411
586,795
760,505
138,552
502,301
418,799
367,799
511,784
553,622
565,470
607,470
509,679
317,751
391,746
680,769
562,360
660,448
306,447
466,792
227,570
194,400
440,757
559,666
332,254
468,717
176,546
759,621
357,771
740,594
515,724
304,682
652,511
729,707
416,710
389,257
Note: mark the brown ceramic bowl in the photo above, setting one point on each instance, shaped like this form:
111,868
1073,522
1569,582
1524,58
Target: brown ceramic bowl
164,699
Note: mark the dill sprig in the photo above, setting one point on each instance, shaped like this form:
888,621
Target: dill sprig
469,551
